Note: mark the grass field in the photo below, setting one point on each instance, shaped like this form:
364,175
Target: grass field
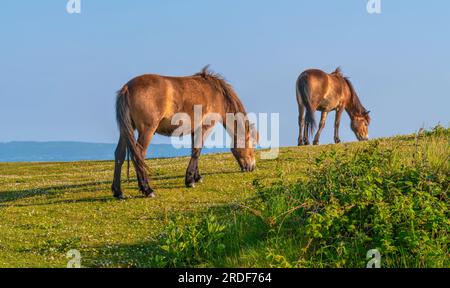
231,219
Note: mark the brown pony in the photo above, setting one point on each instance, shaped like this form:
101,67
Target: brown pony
150,103
317,90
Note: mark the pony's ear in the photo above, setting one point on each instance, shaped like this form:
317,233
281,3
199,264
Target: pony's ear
366,113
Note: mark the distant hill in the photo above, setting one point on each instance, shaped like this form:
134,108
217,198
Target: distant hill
79,151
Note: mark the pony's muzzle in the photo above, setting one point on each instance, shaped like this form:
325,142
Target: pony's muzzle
362,138
249,167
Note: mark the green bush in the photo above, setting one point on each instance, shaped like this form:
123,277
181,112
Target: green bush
191,244
392,197
350,205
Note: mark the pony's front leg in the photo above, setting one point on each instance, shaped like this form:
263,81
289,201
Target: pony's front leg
192,172
197,177
337,123
323,120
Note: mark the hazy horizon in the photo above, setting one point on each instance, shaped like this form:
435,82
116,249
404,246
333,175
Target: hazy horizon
70,151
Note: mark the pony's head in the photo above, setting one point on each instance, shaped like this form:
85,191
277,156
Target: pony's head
360,125
246,156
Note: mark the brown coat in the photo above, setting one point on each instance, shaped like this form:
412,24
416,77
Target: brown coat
319,91
149,104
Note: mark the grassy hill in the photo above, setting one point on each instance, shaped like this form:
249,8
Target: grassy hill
322,206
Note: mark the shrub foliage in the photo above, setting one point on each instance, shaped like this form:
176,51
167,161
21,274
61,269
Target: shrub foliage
349,203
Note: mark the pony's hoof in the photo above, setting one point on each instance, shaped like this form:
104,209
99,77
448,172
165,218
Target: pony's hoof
316,143
149,193
199,180
190,185
119,197
118,194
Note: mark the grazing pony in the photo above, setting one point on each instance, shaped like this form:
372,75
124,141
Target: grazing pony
319,91
150,103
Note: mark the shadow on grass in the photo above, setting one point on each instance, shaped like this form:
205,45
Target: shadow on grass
8,196
244,232
76,201
163,177
14,195
11,195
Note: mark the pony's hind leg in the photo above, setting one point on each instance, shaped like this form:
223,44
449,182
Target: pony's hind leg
305,135
301,125
144,140
120,155
323,120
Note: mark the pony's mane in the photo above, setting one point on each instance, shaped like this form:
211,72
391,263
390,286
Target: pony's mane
338,72
355,103
221,85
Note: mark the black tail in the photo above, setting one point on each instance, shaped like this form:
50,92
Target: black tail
304,93
125,123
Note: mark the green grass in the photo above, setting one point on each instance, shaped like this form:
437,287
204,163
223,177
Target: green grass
260,219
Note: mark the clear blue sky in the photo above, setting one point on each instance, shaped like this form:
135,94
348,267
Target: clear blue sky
59,72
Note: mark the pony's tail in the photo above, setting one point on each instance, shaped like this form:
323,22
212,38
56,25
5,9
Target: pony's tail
125,123
304,94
